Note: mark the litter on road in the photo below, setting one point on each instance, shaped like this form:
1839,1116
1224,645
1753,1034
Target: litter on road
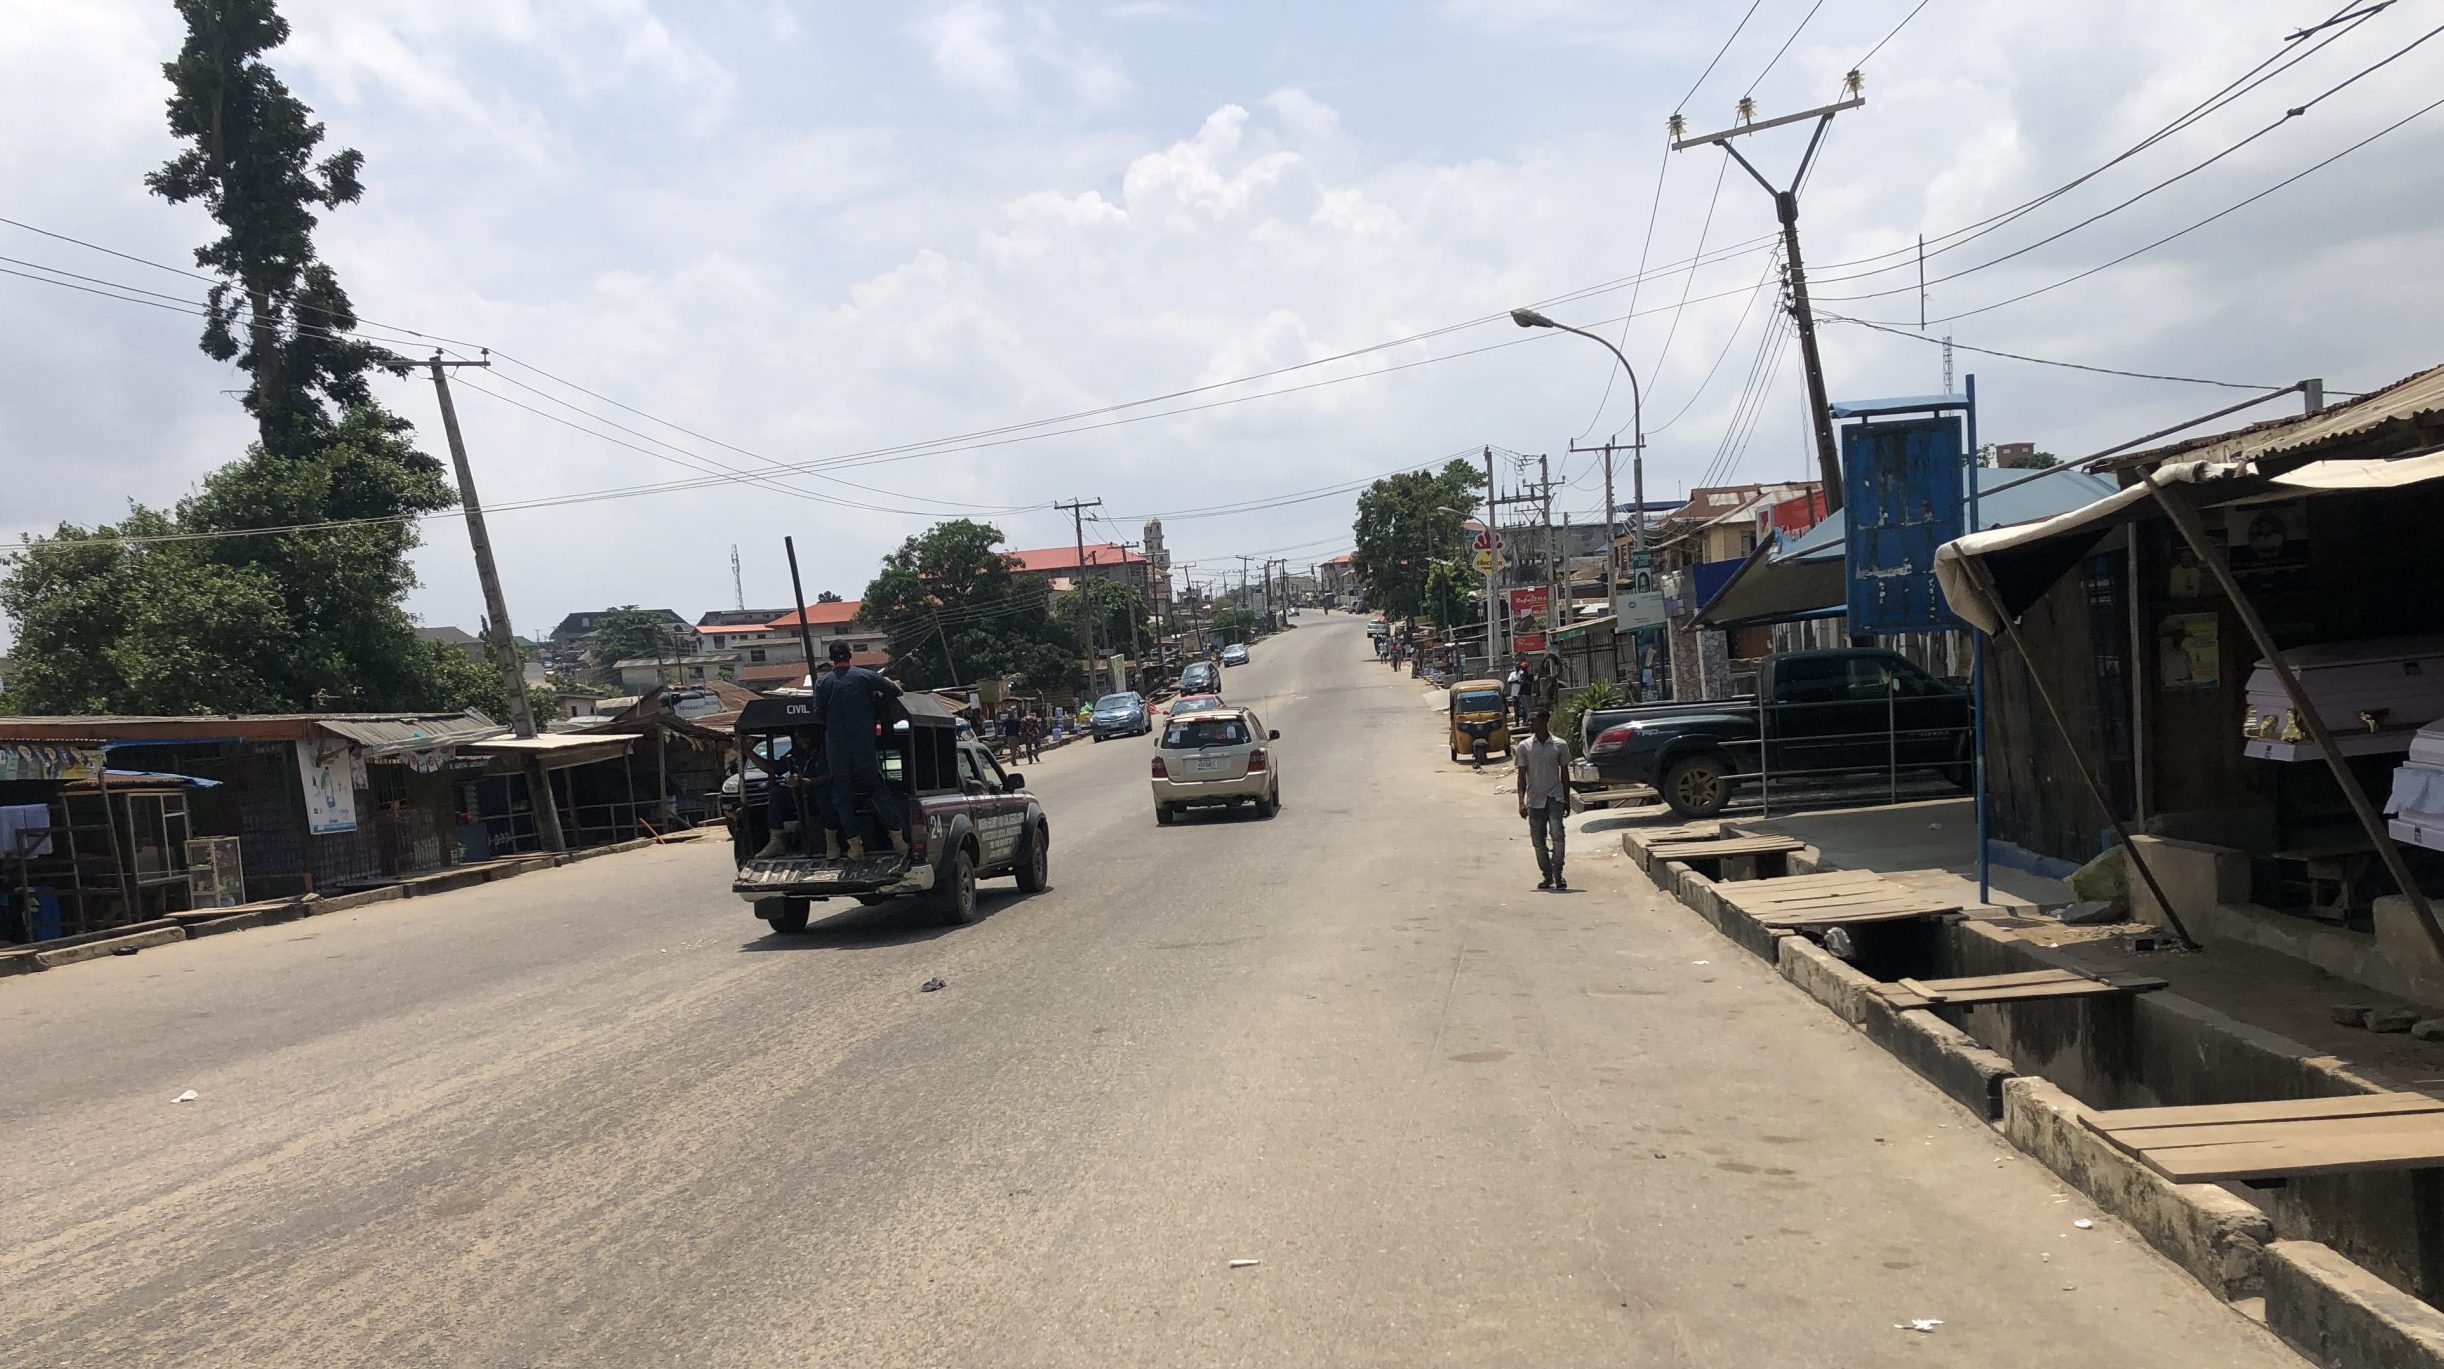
2083,1224
1918,1324
933,984
187,1097
1245,1264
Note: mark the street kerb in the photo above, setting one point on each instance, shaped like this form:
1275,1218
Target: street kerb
2322,1304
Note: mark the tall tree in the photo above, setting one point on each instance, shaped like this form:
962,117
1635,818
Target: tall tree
277,309
1113,607
957,612
828,597
1406,523
629,633
271,620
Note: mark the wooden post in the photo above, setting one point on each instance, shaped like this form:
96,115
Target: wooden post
2185,518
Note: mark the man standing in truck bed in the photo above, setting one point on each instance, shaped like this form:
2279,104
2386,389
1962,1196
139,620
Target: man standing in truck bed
850,702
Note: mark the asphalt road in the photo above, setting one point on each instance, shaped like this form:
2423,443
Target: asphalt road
597,1117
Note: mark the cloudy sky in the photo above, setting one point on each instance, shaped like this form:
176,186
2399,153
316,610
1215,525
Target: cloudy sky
868,239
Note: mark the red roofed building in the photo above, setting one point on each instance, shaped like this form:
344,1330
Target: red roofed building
759,643
1063,566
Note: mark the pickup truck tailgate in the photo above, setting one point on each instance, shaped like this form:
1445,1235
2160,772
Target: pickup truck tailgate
810,877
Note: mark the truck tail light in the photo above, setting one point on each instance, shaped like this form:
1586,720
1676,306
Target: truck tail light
1255,760
1160,771
1612,739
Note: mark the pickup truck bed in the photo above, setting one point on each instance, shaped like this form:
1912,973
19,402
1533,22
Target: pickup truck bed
1817,715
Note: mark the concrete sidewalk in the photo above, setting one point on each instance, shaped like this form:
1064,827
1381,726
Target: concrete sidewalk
1939,834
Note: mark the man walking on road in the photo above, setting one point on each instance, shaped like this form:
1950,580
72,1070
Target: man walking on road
1516,683
850,702
1543,764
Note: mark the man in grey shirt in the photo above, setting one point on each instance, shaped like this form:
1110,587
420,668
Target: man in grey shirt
1543,766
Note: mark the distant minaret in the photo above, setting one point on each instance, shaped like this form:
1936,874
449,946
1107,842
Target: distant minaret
1158,559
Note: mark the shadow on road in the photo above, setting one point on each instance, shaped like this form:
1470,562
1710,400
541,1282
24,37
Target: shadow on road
898,923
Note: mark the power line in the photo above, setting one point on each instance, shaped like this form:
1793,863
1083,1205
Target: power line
1718,54
1966,233
2288,115
1786,46
2047,361
1773,263
2181,233
1861,63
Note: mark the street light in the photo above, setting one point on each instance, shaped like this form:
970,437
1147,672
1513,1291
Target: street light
1529,318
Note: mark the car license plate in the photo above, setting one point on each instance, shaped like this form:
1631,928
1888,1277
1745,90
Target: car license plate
1208,764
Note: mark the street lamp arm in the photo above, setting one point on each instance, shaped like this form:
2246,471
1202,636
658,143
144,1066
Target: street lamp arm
1529,318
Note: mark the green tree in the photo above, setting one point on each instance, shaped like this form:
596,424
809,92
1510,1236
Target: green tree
232,621
629,633
1450,594
249,156
1405,524
957,612
1111,606
2034,461
827,597
464,684
1235,624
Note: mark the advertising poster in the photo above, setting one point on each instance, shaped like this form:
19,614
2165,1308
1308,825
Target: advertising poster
330,789
1531,619
2189,651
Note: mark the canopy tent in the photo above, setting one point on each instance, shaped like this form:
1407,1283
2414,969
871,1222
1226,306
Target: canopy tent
2274,460
2018,564
1804,576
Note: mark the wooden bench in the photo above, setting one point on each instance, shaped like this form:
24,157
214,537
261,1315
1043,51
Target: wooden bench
2266,1143
2022,987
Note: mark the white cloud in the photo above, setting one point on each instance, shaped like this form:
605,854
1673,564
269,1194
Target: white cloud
833,273
979,46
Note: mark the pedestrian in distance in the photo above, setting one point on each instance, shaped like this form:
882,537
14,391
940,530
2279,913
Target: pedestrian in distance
851,702
1543,766
1516,683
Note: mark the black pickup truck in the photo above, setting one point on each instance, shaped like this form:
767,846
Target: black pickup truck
967,820
1817,715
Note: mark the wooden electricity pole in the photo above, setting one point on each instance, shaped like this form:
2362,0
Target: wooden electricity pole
496,607
1786,208
1076,509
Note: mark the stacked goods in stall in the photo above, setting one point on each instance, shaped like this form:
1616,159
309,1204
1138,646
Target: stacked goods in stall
2417,805
2373,695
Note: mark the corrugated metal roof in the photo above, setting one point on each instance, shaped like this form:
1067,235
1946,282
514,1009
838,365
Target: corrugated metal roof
379,736
2409,398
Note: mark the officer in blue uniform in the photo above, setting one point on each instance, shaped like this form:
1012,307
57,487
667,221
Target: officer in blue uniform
851,701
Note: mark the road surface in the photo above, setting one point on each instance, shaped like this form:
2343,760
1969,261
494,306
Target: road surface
597,1117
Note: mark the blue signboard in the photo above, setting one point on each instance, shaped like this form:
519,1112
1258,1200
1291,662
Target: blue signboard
1901,483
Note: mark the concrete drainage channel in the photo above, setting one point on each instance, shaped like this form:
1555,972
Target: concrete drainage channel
2346,1268
188,926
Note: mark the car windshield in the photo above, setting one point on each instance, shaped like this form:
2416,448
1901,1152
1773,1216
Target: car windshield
1116,702
1203,732
1478,701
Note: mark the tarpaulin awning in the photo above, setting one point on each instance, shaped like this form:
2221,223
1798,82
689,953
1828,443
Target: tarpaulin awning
2020,563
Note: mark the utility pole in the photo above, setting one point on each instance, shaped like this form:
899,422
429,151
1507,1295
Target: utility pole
1136,620
496,608
1786,208
738,580
1612,555
1493,562
1076,509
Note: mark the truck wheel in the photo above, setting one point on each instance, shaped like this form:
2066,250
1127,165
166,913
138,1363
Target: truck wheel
954,901
1697,787
791,918
1035,867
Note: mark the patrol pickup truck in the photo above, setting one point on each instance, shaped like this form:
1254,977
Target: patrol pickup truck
968,819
